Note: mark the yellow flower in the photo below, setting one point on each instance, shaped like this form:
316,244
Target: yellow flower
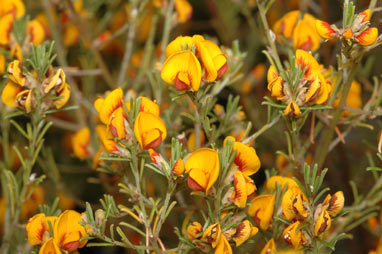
108,143
193,230
179,167
203,168
334,204
16,52
6,24
24,100
14,7
35,32
325,30
37,229
243,187
9,93
212,234
306,61
148,106
191,140
80,143
304,35
71,35
223,246
261,209
2,64
293,236
246,158
179,44
280,180
183,70
322,223
269,248
367,37
213,59
294,204
366,15
65,94
50,247
292,109
31,205
107,106
275,83
353,100
149,130
15,74
68,231
285,26
183,9
243,232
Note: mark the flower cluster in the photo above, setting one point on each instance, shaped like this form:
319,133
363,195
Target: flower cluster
11,12
56,235
149,129
24,91
311,89
182,67
301,32
357,31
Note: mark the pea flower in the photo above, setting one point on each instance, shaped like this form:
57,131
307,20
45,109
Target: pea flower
322,222
243,188
261,209
202,167
149,130
294,204
334,204
294,236
193,230
216,238
269,248
80,142
183,9
179,167
301,32
243,232
358,31
38,230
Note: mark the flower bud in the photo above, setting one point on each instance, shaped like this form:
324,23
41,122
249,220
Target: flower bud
367,37
99,217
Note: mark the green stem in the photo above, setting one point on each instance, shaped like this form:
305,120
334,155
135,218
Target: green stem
167,29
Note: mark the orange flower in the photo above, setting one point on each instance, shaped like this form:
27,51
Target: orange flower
280,180
193,230
334,204
35,32
325,30
322,222
6,24
243,232
294,236
149,130
183,9
179,167
367,37
243,188
202,167
183,70
80,143
294,204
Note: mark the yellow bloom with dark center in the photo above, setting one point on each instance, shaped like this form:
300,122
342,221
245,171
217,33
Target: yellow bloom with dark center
334,204
183,9
15,73
193,230
9,93
324,29
275,83
149,130
37,229
367,37
107,106
292,109
292,235
57,82
261,209
24,100
36,32
243,232
269,248
65,94
80,143
202,167
183,70
212,235
246,158
13,7
280,180
243,187
68,231
294,204
322,223
6,24
306,61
